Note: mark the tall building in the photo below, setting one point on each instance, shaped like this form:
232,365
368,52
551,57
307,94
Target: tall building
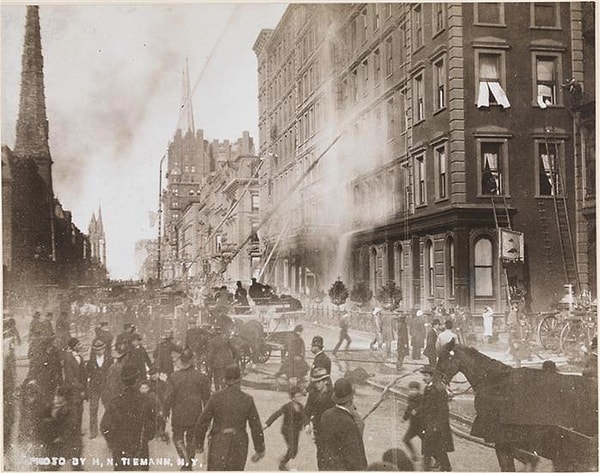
41,244
203,179
456,172
97,239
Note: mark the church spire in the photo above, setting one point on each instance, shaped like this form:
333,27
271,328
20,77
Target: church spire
100,224
186,119
32,123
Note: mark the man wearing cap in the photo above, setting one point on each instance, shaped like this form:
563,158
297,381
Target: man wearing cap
319,400
188,391
229,411
162,355
75,377
321,360
138,356
129,424
97,371
294,365
341,436
416,326
220,354
437,436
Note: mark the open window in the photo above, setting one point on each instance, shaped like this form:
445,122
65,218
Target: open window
547,89
492,163
490,70
549,166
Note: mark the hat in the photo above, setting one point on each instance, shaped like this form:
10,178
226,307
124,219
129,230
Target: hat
317,341
129,374
342,391
414,384
549,365
72,343
318,374
428,369
420,313
98,345
232,374
298,328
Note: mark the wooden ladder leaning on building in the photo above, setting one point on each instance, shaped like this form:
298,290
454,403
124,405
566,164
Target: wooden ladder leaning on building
502,220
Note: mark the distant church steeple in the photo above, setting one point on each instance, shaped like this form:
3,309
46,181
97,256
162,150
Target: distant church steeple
97,238
186,117
32,123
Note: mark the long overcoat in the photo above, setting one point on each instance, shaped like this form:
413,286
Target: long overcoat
188,391
341,440
230,410
416,327
435,415
98,375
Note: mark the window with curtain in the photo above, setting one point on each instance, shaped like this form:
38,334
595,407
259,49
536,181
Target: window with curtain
549,166
419,99
450,265
491,168
430,268
420,164
546,82
439,75
440,157
483,262
490,88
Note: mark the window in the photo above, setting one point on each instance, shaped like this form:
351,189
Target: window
399,266
405,110
430,254
419,99
491,165
376,66
376,21
219,243
484,282
255,202
389,108
450,266
363,20
439,77
354,85
353,33
438,18
389,58
418,26
547,89
489,13
442,177
420,176
545,15
491,72
549,166
388,9
365,69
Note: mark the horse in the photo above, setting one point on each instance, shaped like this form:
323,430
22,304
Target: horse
523,410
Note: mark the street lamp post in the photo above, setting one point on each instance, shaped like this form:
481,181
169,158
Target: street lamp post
158,240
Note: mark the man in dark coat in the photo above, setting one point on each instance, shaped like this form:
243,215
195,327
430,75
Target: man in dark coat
321,360
437,436
430,345
241,298
188,391
97,370
416,327
75,378
46,368
46,326
343,447
63,330
123,342
402,347
256,291
35,335
163,361
196,340
220,355
104,335
129,424
114,383
138,356
294,365
230,410
319,400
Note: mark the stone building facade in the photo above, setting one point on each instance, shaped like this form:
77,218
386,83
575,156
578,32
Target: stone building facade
455,122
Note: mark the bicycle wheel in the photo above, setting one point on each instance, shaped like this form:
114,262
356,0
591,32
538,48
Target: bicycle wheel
572,338
548,332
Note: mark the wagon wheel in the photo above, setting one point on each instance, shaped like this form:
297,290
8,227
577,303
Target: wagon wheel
572,338
549,333
264,356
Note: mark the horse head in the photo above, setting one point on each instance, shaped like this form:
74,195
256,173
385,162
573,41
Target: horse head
447,363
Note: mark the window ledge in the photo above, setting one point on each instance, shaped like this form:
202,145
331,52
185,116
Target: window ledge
442,199
534,104
418,122
440,110
489,196
437,33
545,197
493,25
553,28
421,206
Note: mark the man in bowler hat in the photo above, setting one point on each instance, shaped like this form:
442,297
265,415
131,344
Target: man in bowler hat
343,447
321,360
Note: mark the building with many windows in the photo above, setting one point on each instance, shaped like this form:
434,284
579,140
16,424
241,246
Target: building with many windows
457,169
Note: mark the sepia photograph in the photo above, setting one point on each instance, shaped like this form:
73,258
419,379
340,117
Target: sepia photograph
299,236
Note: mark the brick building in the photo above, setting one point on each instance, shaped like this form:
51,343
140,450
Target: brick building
455,122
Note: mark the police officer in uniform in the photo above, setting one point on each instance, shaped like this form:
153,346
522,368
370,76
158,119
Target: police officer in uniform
321,360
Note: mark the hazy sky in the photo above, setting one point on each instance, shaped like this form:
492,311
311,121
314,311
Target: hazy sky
113,80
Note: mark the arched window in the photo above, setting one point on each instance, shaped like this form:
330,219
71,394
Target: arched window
430,268
484,281
450,266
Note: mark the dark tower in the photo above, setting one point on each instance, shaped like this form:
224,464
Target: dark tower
32,124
